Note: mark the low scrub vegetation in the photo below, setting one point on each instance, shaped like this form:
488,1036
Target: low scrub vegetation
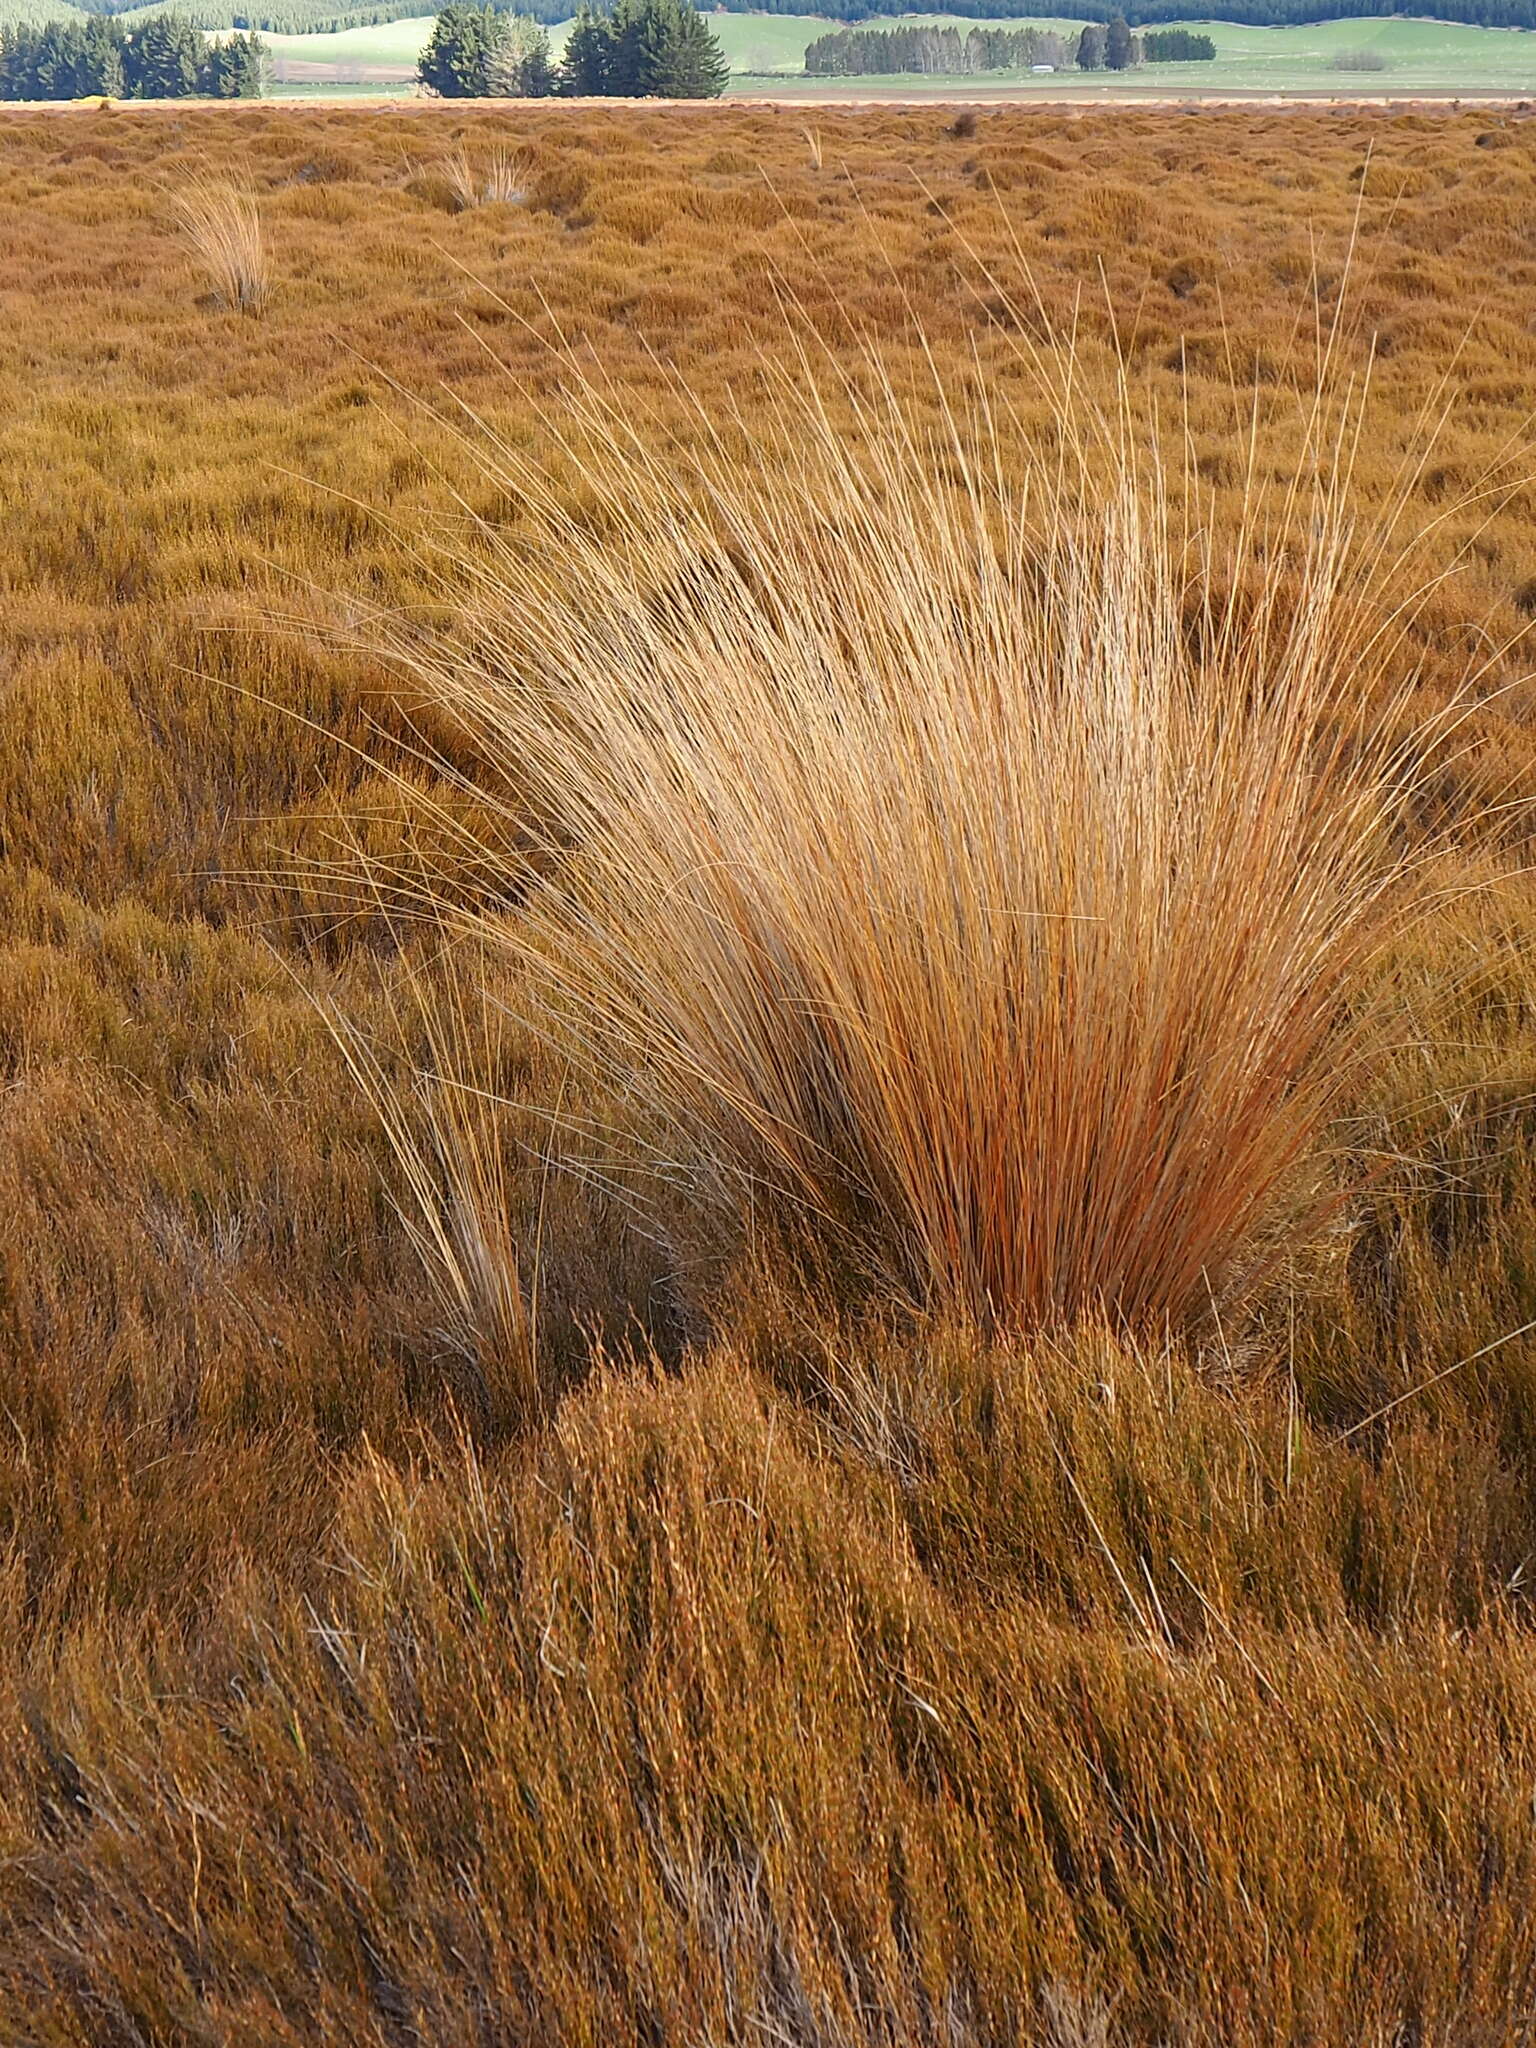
767,1114
502,178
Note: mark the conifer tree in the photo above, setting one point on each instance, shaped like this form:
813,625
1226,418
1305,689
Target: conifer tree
644,49
694,66
99,65
586,65
636,30
53,67
233,68
164,58
519,66
461,51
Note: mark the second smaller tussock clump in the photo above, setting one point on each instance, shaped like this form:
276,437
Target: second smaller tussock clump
221,221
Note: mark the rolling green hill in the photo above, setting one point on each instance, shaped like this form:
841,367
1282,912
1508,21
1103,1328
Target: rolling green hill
766,52
759,45
32,12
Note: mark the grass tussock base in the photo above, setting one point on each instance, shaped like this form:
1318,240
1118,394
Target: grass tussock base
779,1777
959,856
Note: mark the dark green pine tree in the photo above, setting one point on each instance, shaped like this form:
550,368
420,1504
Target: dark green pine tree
661,49
234,68
15,64
461,52
638,32
693,66
587,65
99,66
53,69
1090,48
164,59
1117,44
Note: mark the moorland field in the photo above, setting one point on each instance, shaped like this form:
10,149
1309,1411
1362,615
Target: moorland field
449,1598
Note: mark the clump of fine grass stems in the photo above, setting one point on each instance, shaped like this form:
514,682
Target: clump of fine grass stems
444,1126
221,221
957,855
504,178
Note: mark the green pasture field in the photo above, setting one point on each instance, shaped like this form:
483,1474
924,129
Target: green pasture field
756,45
766,55
766,52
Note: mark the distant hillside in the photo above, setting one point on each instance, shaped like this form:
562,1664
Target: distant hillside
303,17
285,17
289,17
35,12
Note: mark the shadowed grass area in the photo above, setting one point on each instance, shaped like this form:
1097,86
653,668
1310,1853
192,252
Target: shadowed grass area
773,1775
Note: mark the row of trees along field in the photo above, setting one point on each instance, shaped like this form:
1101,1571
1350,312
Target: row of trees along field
163,58
640,49
944,52
295,17
1142,13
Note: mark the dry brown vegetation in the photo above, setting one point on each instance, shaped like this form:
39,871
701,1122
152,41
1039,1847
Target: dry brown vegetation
438,1610
223,225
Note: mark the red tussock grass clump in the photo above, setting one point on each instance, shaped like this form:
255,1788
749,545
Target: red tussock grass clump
959,854
220,219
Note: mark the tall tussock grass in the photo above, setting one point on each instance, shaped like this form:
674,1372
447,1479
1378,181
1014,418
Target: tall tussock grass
956,853
219,217
503,178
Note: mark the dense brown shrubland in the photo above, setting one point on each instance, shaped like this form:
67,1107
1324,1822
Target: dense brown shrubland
797,1672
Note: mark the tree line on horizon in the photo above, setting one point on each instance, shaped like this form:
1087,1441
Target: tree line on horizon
637,49
1150,13
298,17
165,57
945,52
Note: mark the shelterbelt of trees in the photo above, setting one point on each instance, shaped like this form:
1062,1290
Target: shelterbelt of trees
296,17
1144,13
637,49
877,52
163,58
